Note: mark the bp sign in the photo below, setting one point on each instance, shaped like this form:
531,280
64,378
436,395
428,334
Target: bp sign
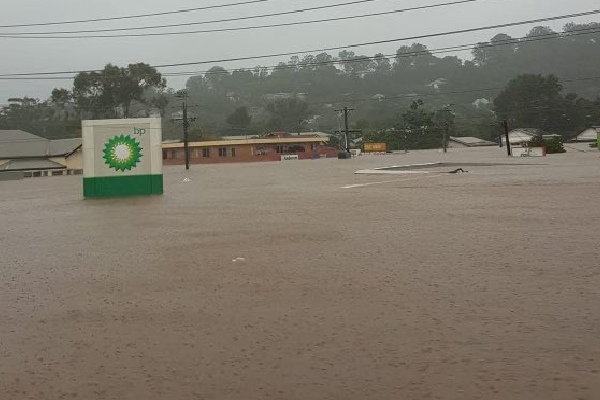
122,157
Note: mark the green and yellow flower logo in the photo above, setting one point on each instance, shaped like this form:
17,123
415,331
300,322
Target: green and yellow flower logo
122,153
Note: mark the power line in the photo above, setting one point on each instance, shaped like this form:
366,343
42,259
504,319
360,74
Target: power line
199,23
442,50
81,21
462,47
244,28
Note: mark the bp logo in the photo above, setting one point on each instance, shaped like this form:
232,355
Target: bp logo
122,153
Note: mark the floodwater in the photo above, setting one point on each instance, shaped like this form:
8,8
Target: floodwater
300,280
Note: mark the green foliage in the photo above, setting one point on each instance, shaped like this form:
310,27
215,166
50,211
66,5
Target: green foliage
101,93
240,118
288,115
536,101
414,128
553,146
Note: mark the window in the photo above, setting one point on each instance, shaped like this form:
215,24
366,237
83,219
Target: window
222,151
313,147
164,154
233,152
206,152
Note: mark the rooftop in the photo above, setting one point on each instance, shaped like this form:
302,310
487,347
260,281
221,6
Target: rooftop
472,141
272,140
20,144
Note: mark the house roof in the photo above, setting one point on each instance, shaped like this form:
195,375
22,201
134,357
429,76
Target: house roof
274,140
240,137
17,135
29,165
530,131
20,144
472,141
590,134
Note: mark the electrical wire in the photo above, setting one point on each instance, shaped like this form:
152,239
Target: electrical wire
442,50
451,49
244,28
199,23
81,21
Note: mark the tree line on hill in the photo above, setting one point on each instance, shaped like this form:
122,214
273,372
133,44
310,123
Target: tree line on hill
531,82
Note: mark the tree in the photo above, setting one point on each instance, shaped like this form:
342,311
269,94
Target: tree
381,64
419,126
215,76
115,87
61,96
500,49
531,101
287,115
240,118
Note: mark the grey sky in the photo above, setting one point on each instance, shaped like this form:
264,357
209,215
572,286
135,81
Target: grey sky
34,55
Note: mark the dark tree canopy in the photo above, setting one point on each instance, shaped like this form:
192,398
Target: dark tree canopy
240,118
115,87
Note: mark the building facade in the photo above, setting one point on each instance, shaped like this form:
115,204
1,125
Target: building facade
250,150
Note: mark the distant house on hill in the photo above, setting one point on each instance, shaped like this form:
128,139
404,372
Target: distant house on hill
36,156
588,135
461,142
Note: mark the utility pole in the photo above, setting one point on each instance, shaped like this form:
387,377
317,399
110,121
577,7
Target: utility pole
183,95
508,147
347,130
186,136
446,129
445,137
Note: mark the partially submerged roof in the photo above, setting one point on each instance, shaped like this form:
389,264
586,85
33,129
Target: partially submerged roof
63,146
17,135
590,134
19,144
472,141
239,137
30,165
530,131
273,140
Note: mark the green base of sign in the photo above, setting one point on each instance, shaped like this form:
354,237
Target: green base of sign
121,186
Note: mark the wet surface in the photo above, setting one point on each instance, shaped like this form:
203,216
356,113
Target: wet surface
272,281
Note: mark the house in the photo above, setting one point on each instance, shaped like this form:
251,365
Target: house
588,135
467,141
36,156
523,136
483,102
271,148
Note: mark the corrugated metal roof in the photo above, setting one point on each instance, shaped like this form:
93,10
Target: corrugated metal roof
472,141
19,144
24,148
63,146
590,134
28,165
17,135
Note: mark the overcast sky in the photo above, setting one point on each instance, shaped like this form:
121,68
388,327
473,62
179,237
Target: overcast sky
37,55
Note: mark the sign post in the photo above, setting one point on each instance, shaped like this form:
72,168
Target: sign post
122,157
